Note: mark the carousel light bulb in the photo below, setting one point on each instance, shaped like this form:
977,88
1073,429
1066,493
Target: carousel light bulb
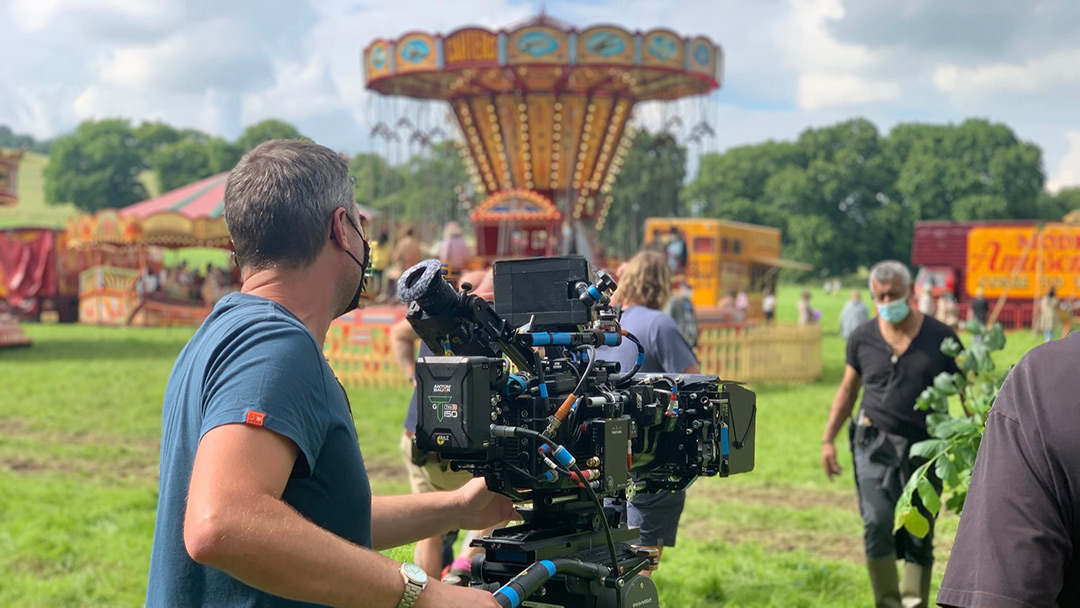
557,117
522,107
558,105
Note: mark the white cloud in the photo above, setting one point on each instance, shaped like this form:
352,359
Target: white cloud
1037,76
1068,170
829,73
822,90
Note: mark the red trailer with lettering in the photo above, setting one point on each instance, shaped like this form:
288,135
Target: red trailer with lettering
1015,261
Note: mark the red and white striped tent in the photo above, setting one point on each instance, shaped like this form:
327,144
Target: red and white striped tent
189,216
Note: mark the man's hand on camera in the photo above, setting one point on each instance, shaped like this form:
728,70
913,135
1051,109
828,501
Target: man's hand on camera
828,459
482,508
441,595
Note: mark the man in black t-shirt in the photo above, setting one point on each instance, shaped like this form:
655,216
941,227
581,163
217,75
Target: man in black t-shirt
1018,537
893,357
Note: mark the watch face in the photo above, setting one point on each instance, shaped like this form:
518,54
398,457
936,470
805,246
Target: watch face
415,573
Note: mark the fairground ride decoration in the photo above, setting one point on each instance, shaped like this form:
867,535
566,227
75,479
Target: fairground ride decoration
9,166
543,106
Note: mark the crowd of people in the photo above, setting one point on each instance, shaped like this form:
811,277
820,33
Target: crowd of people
183,283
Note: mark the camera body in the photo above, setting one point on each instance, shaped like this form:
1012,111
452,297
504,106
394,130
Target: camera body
522,396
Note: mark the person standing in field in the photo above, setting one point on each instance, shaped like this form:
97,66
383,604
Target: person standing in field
1048,315
892,358
768,306
264,498
644,289
853,314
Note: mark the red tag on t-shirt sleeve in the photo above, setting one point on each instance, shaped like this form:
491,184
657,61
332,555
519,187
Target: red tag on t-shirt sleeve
255,418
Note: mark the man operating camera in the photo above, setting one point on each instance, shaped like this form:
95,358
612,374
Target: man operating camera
264,499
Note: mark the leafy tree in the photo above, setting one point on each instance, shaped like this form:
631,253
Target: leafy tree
955,436
649,184
265,131
181,163
97,166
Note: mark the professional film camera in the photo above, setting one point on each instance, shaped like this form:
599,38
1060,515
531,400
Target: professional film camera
560,430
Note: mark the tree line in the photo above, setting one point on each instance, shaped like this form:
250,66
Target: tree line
101,163
843,195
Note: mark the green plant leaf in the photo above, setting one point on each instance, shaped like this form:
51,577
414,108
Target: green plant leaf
916,523
995,338
945,384
963,453
951,347
955,428
947,471
934,420
929,496
929,449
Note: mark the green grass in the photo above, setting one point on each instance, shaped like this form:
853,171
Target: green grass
32,210
79,428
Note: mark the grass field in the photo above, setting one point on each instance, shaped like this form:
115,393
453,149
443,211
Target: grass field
79,430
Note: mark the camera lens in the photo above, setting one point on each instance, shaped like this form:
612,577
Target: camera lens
424,284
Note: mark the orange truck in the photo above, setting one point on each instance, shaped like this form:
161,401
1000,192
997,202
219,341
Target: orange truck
722,256
1016,260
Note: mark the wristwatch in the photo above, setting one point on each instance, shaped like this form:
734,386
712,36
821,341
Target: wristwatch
415,581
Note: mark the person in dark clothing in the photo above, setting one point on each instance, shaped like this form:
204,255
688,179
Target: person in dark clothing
978,312
1018,536
264,499
893,357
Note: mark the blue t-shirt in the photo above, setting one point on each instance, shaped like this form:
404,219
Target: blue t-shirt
254,362
666,351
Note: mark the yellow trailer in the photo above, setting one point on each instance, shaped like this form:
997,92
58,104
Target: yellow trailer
723,255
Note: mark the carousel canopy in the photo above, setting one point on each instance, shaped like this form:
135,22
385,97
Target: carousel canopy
542,105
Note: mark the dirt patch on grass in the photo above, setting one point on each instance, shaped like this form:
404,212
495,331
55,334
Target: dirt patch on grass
798,498
824,545
15,427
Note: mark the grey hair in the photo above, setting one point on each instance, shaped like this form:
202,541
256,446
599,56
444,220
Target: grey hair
890,270
279,200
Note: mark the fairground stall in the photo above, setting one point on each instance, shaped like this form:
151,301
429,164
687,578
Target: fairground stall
10,332
128,283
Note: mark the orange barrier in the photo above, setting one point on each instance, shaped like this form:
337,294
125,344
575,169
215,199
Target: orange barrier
763,353
358,348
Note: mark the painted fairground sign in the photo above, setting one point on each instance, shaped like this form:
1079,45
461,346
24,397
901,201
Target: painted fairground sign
1024,261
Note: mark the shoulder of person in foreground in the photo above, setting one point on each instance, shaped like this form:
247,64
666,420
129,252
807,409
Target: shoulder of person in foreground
1014,545
269,372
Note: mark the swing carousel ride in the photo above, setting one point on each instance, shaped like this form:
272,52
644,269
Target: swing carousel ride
544,111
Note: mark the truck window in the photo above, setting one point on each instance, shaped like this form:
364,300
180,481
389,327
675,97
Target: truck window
724,245
736,246
704,244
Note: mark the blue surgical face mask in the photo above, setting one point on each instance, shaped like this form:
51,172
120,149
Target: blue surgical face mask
894,312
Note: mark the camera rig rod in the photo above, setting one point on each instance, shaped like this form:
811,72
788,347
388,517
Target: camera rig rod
533,577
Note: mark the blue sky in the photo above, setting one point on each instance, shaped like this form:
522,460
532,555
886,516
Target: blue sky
791,64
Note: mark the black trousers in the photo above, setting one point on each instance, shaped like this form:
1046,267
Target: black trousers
882,469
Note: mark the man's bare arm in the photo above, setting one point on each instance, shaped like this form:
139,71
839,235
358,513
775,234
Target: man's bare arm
236,522
842,404
403,344
397,520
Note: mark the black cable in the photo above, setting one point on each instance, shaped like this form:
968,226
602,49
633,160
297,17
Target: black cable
607,529
588,370
620,380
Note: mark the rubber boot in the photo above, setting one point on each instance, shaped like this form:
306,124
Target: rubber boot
915,586
883,580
